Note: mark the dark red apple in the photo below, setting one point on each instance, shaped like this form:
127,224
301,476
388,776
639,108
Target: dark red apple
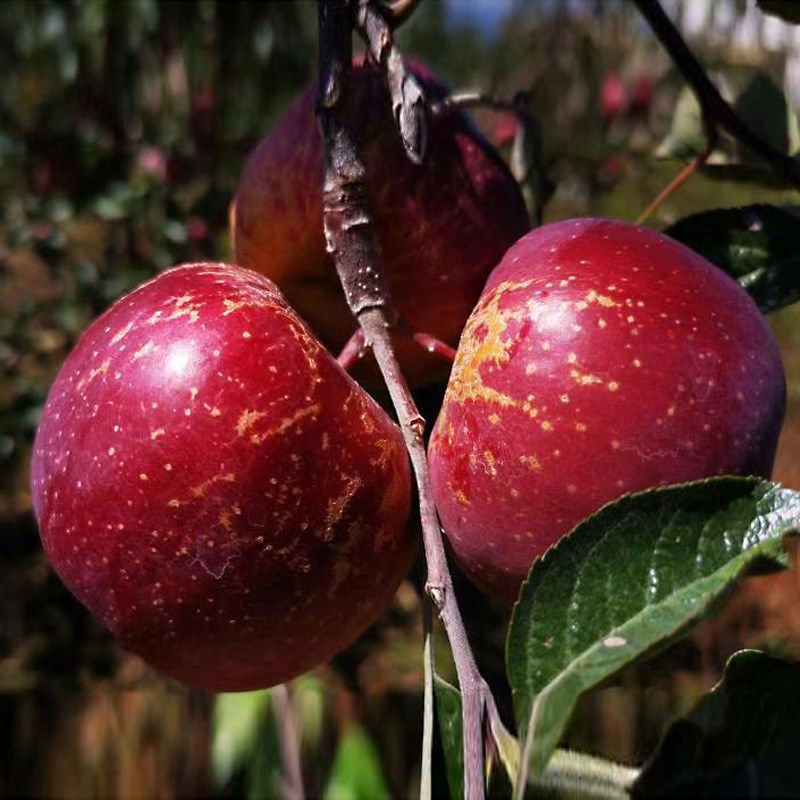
441,225
603,358
214,487
641,96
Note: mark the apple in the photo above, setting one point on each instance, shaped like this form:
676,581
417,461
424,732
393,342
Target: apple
441,225
603,358
613,97
215,488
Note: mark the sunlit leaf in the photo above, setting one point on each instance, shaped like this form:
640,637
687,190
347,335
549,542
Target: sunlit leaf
626,581
236,725
356,773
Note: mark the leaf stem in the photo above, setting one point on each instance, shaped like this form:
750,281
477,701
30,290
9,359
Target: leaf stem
678,181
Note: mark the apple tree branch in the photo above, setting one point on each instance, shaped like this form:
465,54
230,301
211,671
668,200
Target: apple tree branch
351,241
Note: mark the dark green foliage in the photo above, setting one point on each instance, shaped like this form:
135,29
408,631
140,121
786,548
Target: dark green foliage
758,245
739,741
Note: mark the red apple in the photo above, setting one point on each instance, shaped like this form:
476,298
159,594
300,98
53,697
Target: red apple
613,97
641,96
441,225
213,486
603,358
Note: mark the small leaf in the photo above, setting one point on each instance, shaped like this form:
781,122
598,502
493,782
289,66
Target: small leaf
356,773
787,10
740,740
237,721
627,580
764,109
762,105
528,164
686,137
757,245
448,713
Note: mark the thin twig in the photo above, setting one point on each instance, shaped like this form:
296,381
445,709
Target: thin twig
715,108
353,350
527,157
495,102
678,180
350,239
291,771
439,585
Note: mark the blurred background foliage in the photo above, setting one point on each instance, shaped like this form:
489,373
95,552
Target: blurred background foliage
123,128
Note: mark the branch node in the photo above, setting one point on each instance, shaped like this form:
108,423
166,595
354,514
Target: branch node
437,595
405,91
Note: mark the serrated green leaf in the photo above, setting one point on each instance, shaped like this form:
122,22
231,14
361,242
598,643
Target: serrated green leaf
787,10
356,773
758,245
448,714
237,721
740,740
626,581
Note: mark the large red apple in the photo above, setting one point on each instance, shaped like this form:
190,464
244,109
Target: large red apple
441,225
603,358
214,487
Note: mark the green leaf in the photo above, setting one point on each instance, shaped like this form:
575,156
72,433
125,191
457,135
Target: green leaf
237,722
740,740
626,581
448,714
356,773
761,104
787,10
686,137
758,245
764,108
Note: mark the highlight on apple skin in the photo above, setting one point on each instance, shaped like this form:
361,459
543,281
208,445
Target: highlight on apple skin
441,226
213,486
602,359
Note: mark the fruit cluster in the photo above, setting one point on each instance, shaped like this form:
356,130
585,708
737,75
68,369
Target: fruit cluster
233,506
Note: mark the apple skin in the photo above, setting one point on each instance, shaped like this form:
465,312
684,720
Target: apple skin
603,358
441,226
215,488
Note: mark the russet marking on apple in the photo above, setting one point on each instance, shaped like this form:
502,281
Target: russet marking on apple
682,380
222,530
